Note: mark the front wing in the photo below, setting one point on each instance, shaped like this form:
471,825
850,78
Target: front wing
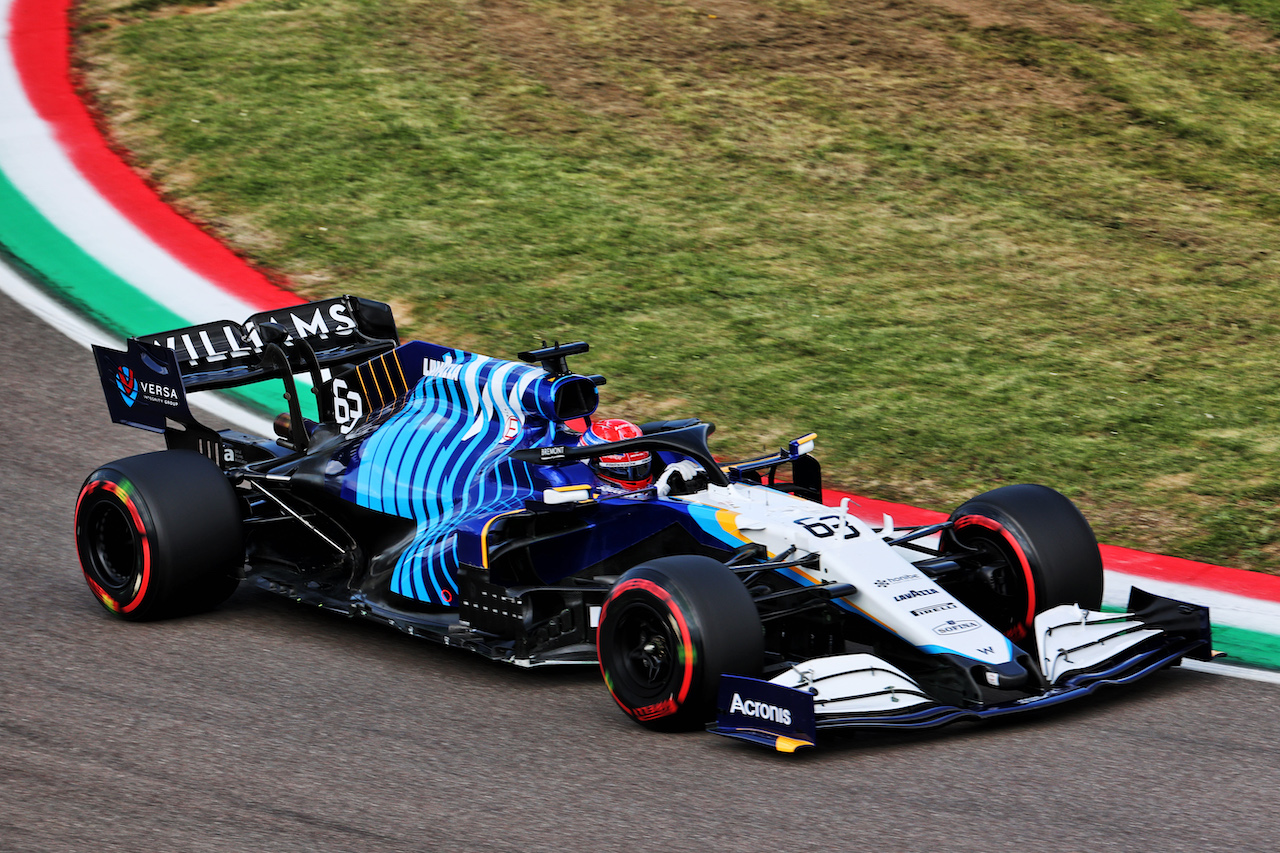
863,691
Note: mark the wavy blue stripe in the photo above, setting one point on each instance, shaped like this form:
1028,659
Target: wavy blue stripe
468,461
368,453
467,458
370,456
378,450
430,502
418,452
391,449
441,459
403,454
433,498
423,505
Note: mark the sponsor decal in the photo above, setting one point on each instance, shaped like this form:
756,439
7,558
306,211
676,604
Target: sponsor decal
127,384
211,343
338,322
956,626
665,708
936,608
216,451
915,593
552,452
325,320
442,369
215,342
142,385
155,392
760,710
884,582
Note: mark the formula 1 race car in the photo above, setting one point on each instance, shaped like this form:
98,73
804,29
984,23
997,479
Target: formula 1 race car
444,493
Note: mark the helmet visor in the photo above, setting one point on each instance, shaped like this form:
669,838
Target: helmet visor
631,470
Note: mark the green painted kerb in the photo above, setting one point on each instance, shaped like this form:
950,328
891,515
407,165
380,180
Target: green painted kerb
73,277
1252,648
53,262
1242,646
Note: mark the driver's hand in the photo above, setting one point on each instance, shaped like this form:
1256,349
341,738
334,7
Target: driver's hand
677,476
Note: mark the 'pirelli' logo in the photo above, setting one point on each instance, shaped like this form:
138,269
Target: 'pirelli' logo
937,608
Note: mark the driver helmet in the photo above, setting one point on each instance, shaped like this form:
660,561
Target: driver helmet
628,471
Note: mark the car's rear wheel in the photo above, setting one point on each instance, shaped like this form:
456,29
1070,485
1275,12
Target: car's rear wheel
1032,550
668,630
159,535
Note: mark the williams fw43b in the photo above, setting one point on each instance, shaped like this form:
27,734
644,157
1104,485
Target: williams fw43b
445,493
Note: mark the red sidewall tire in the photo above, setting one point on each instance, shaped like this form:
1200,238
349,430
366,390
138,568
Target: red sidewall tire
159,535
668,630
113,543
965,526
1048,545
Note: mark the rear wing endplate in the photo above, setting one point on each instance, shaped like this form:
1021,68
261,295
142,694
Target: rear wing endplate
143,385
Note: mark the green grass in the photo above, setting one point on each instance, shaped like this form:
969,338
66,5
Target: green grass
968,248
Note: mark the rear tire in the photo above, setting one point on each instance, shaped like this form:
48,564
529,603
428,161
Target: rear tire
1036,549
159,535
668,630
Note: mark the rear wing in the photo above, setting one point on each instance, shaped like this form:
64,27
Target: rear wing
146,385
223,354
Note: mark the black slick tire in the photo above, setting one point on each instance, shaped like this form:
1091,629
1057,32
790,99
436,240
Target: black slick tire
159,535
1038,551
668,630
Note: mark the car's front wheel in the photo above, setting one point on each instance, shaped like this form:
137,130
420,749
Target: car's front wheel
1031,549
159,535
668,630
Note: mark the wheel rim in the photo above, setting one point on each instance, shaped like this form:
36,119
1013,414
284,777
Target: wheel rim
113,549
1000,591
646,648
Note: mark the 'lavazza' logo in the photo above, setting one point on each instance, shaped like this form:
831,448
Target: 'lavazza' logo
760,710
915,593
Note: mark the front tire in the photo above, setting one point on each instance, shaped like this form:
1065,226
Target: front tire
1033,551
159,535
668,630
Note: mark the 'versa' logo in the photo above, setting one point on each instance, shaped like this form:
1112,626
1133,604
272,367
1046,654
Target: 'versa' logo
127,384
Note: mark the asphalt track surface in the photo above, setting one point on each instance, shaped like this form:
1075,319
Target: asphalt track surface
266,726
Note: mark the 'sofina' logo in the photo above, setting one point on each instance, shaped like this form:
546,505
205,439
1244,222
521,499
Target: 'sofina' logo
127,383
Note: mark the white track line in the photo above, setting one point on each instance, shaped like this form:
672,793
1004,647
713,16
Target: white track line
1226,608
77,329
1245,672
36,164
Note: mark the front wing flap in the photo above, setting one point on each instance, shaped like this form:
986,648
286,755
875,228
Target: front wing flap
862,691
